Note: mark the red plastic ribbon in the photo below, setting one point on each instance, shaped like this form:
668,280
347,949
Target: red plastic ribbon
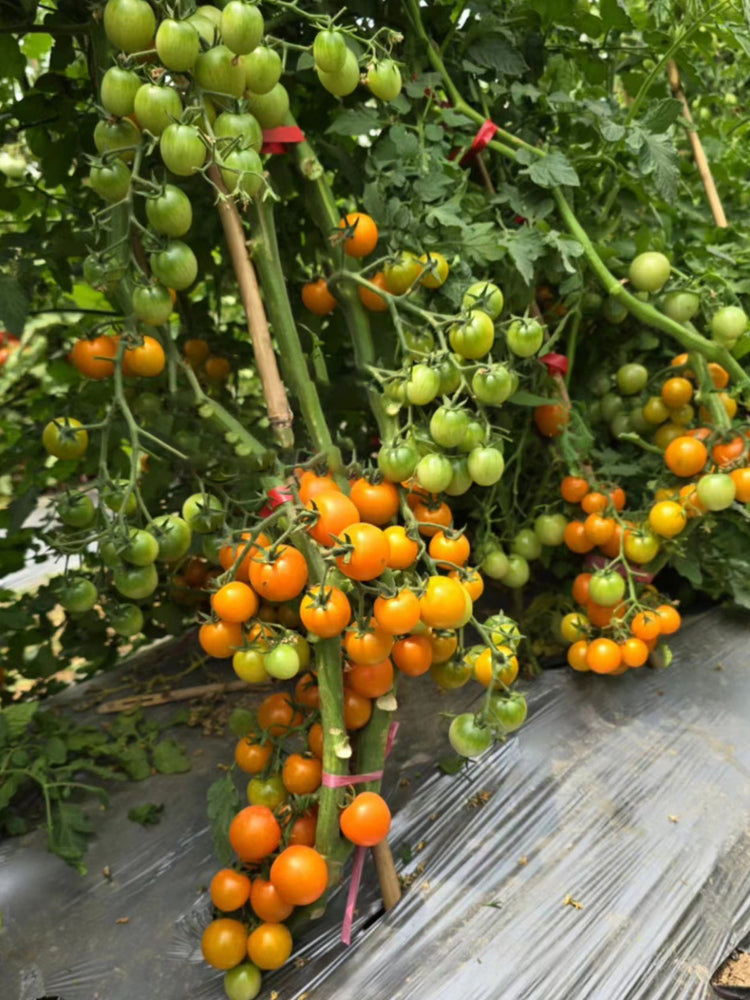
277,495
275,140
359,854
557,364
483,137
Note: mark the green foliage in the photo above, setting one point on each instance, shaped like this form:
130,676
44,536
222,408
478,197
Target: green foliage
45,757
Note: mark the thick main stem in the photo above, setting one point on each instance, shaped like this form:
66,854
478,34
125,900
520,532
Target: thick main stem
268,262
279,411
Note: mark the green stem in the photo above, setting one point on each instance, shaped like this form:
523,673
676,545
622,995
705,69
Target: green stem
327,217
689,339
211,410
371,743
294,364
706,394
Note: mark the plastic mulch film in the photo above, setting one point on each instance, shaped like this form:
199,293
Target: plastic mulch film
603,852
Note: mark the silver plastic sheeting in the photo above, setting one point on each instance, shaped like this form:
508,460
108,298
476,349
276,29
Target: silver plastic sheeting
603,854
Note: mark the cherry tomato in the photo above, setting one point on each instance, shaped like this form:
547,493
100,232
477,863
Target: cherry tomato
300,875
366,820
223,943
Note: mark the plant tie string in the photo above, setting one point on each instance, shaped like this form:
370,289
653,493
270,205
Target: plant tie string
480,141
341,781
275,140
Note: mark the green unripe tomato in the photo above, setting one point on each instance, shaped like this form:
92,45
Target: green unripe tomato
448,426
469,737
329,51
486,296
461,481
384,80
681,306
142,548
728,324
76,510
614,311
243,982
126,620
423,385
241,26
114,496
525,337
78,595
526,544
282,662
495,564
517,573
716,491
118,90
263,69
486,465
434,473
649,271
631,378
550,529
203,512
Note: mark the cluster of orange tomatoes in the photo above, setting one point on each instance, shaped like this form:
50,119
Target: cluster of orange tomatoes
278,868
674,410
198,355
96,357
617,596
358,232
396,596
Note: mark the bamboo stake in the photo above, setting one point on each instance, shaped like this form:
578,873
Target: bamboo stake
673,75
164,697
279,411
390,887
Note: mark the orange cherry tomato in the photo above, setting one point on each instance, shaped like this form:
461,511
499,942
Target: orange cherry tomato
317,298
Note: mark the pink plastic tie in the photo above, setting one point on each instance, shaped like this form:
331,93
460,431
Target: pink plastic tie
337,781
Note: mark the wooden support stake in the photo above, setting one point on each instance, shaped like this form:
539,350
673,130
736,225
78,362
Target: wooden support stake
390,887
164,697
279,411
673,75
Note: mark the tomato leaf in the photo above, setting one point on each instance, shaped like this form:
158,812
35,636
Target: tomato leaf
659,158
242,722
170,758
14,302
614,14
495,54
134,760
451,765
69,834
149,814
354,121
14,720
552,170
223,805
662,115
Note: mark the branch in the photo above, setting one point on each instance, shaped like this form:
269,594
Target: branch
279,411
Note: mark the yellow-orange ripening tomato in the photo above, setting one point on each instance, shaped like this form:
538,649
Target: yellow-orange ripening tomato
362,234
317,298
